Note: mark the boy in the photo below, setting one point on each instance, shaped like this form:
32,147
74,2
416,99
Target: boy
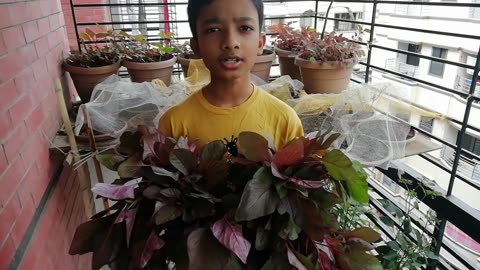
227,36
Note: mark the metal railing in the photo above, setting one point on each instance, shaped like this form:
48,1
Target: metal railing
448,207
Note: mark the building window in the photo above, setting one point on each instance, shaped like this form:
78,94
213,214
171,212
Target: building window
436,68
412,59
426,124
471,144
347,26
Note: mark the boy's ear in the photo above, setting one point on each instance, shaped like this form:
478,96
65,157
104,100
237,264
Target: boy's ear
261,43
194,46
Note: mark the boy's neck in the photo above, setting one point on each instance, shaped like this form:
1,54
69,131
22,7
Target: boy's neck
228,94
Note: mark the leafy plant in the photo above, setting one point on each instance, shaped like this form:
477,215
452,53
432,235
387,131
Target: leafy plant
411,248
184,50
99,48
140,50
290,39
183,207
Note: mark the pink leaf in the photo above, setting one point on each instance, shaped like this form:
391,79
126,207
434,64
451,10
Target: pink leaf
152,244
129,218
182,143
231,238
294,261
306,183
117,192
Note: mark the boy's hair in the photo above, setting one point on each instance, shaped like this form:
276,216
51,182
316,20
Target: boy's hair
194,7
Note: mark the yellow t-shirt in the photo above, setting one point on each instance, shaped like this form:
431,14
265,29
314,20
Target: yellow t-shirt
262,113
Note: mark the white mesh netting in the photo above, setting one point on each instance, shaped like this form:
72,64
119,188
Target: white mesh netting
361,113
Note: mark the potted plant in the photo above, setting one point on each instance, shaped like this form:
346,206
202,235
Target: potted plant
239,205
184,54
263,63
146,62
287,44
326,62
98,58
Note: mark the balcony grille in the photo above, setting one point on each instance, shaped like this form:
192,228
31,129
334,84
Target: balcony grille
462,168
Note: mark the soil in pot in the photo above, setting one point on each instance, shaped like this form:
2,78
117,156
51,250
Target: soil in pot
263,63
146,72
85,79
287,64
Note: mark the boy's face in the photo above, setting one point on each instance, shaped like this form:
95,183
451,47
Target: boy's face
228,38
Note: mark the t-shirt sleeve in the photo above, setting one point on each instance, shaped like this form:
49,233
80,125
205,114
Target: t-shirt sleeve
165,124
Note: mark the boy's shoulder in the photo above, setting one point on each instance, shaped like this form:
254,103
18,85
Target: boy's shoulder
275,105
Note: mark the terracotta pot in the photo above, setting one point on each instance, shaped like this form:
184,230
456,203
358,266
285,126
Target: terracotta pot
327,77
263,64
85,79
146,72
287,64
184,63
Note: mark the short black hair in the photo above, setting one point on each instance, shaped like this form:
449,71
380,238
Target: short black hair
194,7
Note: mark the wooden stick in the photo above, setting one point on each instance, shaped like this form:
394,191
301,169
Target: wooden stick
93,146
82,175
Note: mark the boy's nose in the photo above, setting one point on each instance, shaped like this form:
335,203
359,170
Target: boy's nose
230,41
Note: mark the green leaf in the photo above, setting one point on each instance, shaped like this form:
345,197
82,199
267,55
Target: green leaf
213,151
253,146
304,260
364,233
258,198
393,245
358,260
290,230
341,168
111,161
233,263
167,213
183,160
323,198
281,189
132,167
387,221
261,239
268,265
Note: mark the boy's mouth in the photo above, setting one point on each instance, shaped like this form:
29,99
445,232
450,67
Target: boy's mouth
231,62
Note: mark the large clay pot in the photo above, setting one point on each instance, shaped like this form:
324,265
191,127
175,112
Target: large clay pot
287,64
327,77
184,63
263,63
85,79
146,72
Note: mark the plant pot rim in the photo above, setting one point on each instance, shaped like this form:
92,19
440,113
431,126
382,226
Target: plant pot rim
149,65
303,63
265,58
285,53
91,70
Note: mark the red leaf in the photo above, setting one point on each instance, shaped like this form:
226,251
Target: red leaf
129,218
306,183
116,192
231,238
289,155
152,244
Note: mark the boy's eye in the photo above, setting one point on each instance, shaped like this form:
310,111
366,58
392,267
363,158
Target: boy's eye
246,28
212,30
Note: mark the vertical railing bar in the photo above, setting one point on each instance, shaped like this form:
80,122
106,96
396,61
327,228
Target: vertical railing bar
370,41
464,125
75,25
